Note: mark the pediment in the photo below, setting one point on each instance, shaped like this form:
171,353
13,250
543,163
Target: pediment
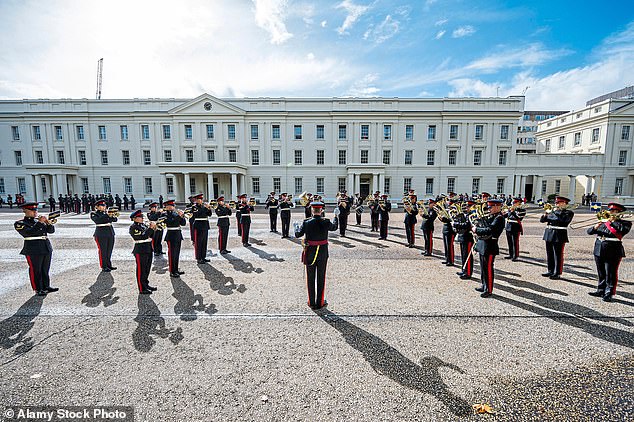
206,104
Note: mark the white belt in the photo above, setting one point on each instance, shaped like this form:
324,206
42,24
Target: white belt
286,209
512,221
143,241
557,228
173,228
103,225
222,216
201,219
36,238
272,208
612,239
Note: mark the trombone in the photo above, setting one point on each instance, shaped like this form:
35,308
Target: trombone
602,216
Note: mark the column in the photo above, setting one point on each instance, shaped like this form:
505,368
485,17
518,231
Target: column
350,187
176,187
61,183
593,184
380,182
516,185
163,192
375,182
234,186
53,186
357,183
210,186
522,182
572,188
188,190
36,194
588,185
537,187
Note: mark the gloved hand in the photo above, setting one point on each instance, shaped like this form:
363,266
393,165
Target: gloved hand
296,226
337,211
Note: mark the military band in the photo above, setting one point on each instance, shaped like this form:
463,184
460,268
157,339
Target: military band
411,211
357,207
157,238
174,220
285,213
104,234
448,235
556,235
384,208
373,206
200,214
429,216
245,210
344,204
514,229
488,229
272,204
223,212
142,251
462,226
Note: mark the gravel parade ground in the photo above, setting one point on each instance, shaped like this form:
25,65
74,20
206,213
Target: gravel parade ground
403,337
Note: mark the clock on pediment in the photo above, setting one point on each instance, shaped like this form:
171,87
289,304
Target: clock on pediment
207,106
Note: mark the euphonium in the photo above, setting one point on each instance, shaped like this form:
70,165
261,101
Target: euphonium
303,199
161,223
53,216
252,202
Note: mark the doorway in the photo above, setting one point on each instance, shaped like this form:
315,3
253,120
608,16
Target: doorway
529,192
364,189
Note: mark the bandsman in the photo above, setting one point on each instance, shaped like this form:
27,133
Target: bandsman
51,203
307,209
448,235
514,228
427,226
174,220
344,206
411,211
488,230
272,205
200,213
245,218
462,226
157,237
104,235
374,212
384,216
223,212
358,207
285,213
556,235
142,251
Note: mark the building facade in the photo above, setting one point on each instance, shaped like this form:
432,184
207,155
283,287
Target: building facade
527,129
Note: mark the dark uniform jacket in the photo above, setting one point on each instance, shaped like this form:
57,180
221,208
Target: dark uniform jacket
344,207
140,231
514,221
428,220
199,211
30,227
220,212
100,217
172,219
272,203
557,218
286,205
384,214
491,228
316,228
447,227
154,216
610,248
410,216
462,226
245,210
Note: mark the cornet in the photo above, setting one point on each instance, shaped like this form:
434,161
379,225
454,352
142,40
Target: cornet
232,205
53,216
252,202
189,212
113,212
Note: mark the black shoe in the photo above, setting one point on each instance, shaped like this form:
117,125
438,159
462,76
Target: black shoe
176,275
515,259
465,277
51,289
206,259
179,272
152,288
201,261
508,257
598,293
105,270
157,254
607,298
41,293
113,268
145,292
428,254
444,262
449,264
554,277
547,274
479,289
460,273
246,245
381,238
410,246
485,294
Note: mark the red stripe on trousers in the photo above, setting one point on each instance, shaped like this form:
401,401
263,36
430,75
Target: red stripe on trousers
561,260
490,275
451,250
616,277
169,255
138,271
31,272
469,259
323,290
99,250
242,231
431,242
219,238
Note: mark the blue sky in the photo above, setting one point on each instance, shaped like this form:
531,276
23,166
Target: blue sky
564,52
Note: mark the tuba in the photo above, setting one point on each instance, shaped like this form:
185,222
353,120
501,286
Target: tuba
303,199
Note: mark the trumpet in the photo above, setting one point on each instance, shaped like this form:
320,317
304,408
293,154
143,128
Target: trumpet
370,199
442,212
188,212
113,212
53,216
213,204
232,205
252,202
161,223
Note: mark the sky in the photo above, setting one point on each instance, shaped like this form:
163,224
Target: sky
558,53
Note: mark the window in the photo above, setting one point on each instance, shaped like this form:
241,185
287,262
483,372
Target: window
43,183
255,133
58,133
386,186
387,157
477,157
341,184
124,132
431,157
147,158
409,132
18,158
297,131
453,158
145,132
500,186
387,132
502,157
504,132
82,157
211,155
429,186
320,157
475,186
80,133
451,184
343,132
127,185
544,185
167,155
37,135
298,186
557,187
408,157
16,133
407,184
189,132
167,132
2,189
479,132
255,184
102,133
106,185
343,160
22,185
320,185
365,132
39,157
298,157
275,133
104,157
622,158
125,157
277,184
562,142
170,185
547,145
192,185
233,156
577,139
453,132
148,185
276,157
618,186
210,131
60,157
189,155
595,135
364,156
431,133
625,133
84,185
255,157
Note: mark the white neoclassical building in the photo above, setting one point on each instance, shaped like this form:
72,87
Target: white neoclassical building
176,147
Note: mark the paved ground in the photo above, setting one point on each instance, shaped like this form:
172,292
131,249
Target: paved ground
403,338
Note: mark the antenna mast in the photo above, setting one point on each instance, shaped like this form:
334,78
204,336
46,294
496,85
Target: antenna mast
99,77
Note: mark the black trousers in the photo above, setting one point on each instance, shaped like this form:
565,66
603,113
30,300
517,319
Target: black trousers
409,231
316,282
285,216
105,245
173,254
487,272
239,225
245,222
343,224
447,239
143,265
200,243
374,221
465,248
273,219
39,266
358,215
555,255
608,271
157,242
513,240
223,236
428,235
383,228
52,207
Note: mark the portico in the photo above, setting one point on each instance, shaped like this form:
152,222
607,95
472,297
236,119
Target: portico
180,180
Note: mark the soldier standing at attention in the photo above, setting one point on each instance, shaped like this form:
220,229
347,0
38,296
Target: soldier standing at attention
104,235
239,226
200,215
462,226
285,213
358,207
428,227
132,202
245,218
272,205
315,253
173,221
157,237
161,201
142,236
51,203
374,212
384,216
223,211
411,211
344,211
37,248
514,228
448,235
556,236
488,230
608,250
126,202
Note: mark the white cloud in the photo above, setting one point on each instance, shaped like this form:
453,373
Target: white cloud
440,34
364,87
441,22
310,56
383,31
531,55
355,11
269,15
324,23
463,31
